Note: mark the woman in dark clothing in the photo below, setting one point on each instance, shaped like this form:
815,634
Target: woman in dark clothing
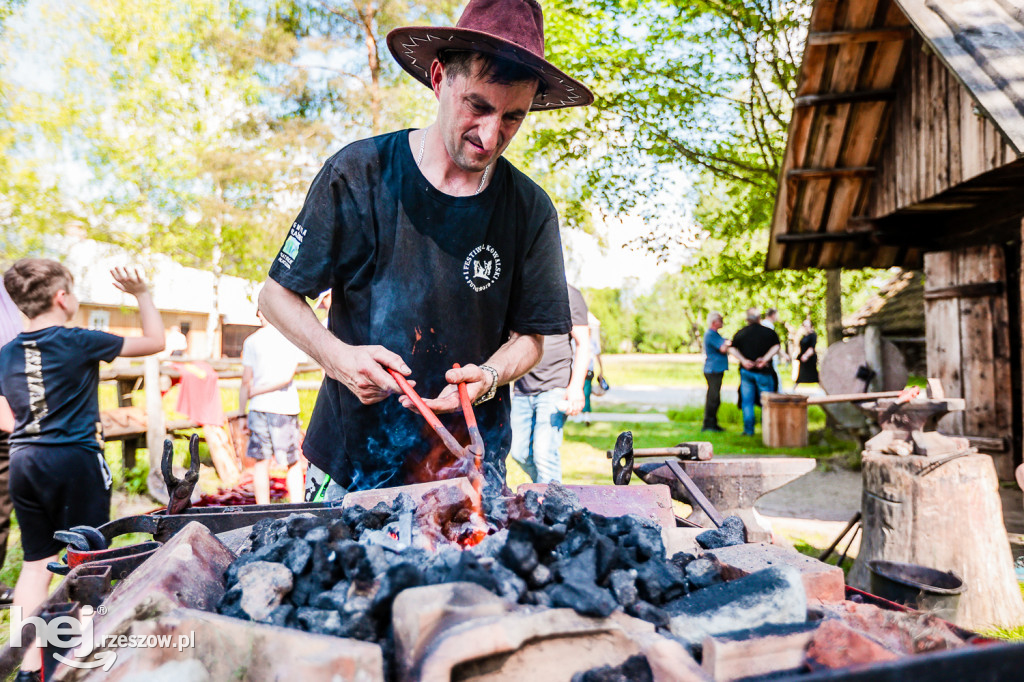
808,357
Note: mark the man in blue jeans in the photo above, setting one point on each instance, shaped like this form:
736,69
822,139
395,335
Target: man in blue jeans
754,346
552,391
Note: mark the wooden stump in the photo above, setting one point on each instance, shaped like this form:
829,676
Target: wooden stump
949,518
784,420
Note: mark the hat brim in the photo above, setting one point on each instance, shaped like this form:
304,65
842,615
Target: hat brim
416,47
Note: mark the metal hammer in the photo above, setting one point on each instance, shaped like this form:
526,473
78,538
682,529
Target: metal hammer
622,472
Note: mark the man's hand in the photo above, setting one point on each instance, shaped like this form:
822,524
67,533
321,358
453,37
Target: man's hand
576,401
130,280
478,382
362,369
761,363
746,364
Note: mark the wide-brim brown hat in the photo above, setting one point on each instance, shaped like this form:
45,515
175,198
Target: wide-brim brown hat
510,29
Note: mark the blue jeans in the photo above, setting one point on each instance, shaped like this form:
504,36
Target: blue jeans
750,384
537,434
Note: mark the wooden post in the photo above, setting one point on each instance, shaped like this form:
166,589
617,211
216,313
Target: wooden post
833,306
155,432
873,354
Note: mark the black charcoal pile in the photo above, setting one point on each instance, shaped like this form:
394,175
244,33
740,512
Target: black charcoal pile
340,577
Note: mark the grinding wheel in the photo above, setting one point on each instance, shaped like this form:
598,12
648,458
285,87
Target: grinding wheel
839,368
839,375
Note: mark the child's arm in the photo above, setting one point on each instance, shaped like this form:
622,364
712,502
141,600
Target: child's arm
243,389
131,281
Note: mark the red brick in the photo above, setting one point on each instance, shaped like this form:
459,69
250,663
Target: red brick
837,645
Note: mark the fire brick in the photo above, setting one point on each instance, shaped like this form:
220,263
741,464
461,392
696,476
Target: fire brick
837,645
823,582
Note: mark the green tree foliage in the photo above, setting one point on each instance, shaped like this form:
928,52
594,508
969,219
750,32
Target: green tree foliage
617,320
695,94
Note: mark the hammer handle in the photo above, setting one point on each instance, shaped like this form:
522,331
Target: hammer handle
695,494
682,452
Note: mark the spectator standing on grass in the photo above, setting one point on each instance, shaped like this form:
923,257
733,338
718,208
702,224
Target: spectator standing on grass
10,326
596,369
808,355
552,391
754,346
268,392
49,375
716,364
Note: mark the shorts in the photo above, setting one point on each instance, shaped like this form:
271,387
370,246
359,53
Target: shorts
57,487
274,435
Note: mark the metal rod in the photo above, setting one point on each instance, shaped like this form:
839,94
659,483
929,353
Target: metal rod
695,494
831,548
447,438
851,397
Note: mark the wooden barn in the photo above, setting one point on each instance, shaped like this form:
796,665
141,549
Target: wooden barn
905,149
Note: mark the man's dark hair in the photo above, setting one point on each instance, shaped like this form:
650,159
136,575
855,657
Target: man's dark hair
496,69
32,283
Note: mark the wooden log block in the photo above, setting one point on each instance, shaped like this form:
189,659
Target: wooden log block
949,519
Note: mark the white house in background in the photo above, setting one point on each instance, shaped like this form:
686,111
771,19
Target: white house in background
184,296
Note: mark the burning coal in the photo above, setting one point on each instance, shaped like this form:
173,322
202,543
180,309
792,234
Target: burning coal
341,577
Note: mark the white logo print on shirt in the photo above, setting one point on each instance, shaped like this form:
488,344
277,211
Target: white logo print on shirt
485,265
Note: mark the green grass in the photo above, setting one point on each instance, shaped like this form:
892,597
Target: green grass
620,371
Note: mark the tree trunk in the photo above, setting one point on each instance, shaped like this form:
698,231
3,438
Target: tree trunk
833,306
368,16
213,321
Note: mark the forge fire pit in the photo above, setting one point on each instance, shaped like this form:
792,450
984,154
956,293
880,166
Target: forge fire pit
408,590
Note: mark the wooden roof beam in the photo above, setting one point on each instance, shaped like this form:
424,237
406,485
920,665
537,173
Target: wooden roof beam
818,237
824,173
845,97
859,35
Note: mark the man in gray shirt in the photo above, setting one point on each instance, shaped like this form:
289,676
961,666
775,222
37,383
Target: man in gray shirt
552,391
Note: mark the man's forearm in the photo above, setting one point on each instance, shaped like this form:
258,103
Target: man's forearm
269,388
516,357
733,351
771,353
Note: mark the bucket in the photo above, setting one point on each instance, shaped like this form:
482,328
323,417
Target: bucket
917,587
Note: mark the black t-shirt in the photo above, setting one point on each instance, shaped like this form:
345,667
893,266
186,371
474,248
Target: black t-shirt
434,278
50,378
753,341
555,368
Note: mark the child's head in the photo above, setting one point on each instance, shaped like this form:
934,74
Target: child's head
37,285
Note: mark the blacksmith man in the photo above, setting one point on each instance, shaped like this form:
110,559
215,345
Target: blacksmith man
438,251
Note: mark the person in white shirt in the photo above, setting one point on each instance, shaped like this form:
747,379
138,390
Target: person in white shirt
268,393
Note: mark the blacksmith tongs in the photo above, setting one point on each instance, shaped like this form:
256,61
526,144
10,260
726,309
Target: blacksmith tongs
475,451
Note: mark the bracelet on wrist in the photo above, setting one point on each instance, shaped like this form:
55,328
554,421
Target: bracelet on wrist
494,385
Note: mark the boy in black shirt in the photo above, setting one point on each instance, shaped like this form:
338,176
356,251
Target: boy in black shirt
49,374
754,346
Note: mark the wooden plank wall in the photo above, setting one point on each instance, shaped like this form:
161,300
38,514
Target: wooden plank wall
968,341
935,140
